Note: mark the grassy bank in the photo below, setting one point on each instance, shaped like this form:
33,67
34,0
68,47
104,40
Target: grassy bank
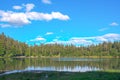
62,76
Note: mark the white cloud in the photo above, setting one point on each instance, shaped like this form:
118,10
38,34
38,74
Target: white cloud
86,38
111,37
23,18
78,41
106,28
17,7
58,15
5,25
46,1
103,29
46,16
114,24
16,19
49,33
106,37
29,7
101,39
38,39
19,19
75,41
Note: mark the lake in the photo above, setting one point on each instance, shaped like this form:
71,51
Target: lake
12,65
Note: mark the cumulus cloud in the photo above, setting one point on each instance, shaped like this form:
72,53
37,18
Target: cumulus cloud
16,19
49,33
17,7
46,1
29,7
46,16
114,24
24,18
38,39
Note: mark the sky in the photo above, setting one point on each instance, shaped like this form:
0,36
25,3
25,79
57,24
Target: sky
77,22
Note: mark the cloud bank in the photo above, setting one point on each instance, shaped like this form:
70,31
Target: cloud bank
84,41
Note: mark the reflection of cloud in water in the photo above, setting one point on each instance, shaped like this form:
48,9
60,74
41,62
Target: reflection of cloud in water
69,69
53,68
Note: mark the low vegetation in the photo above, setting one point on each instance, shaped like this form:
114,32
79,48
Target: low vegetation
62,76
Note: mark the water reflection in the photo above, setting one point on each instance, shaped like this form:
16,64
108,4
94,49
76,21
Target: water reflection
58,64
64,68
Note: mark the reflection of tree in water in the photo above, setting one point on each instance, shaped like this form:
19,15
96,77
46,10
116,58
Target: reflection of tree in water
18,64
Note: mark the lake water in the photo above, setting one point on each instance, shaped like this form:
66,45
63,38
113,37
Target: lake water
58,64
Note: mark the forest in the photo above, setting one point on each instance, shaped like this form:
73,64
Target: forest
14,48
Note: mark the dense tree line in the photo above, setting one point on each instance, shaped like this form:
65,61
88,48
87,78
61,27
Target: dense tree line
12,48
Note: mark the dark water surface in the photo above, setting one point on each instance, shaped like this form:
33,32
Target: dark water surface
10,65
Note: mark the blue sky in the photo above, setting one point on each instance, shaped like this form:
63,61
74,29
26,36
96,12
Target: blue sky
78,22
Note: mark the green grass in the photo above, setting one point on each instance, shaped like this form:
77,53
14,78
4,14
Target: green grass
112,70
62,76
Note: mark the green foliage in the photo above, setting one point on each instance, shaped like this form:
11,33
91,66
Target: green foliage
63,76
13,48
10,47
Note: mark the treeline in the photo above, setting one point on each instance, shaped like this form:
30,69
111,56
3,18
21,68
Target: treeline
13,48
